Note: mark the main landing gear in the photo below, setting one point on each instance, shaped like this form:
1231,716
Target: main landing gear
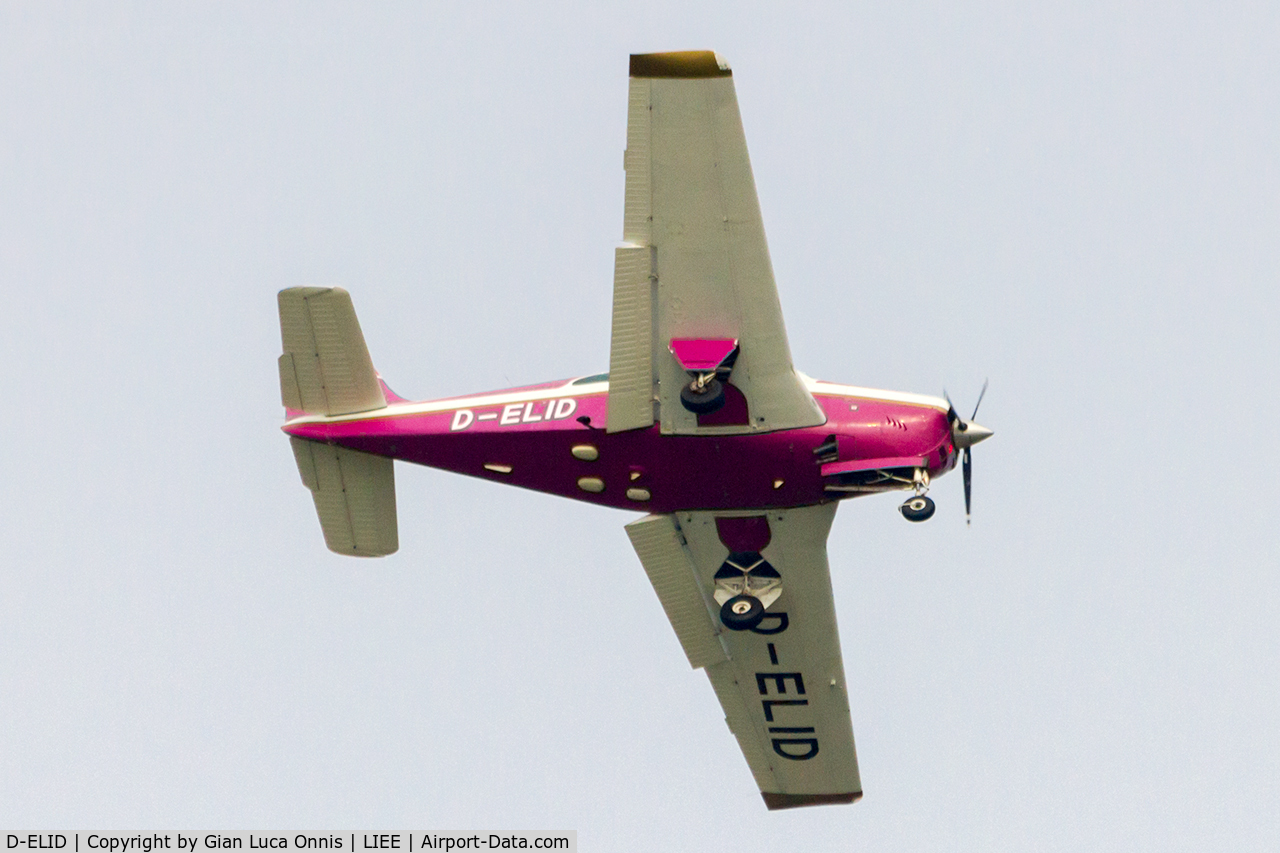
919,508
705,394
742,613
708,362
744,586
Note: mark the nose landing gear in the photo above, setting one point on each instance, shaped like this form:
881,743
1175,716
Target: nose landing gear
919,508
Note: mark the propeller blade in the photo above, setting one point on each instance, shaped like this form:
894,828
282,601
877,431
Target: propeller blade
952,414
967,466
981,394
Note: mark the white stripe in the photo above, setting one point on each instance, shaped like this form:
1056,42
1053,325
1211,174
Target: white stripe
823,388
432,406
817,387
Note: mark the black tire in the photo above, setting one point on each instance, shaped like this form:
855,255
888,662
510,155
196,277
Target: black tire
741,613
703,402
918,508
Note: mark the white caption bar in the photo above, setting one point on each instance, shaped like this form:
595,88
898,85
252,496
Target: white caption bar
427,841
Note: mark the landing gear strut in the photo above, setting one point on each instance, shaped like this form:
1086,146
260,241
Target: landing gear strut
708,362
703,395
919,508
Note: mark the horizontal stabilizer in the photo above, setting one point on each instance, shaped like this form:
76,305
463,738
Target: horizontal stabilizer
355,496
325,369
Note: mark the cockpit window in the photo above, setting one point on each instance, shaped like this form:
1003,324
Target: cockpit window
587,380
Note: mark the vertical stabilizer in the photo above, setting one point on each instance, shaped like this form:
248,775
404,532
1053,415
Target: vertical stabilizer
325,368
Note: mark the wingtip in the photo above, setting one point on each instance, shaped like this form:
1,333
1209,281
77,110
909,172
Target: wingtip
688,64
795,801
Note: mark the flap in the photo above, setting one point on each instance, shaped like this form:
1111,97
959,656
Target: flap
666,561
632,381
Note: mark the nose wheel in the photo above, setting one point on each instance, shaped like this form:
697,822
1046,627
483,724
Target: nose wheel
919,508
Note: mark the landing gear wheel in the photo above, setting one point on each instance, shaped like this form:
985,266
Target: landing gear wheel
742,613
918,508
704,400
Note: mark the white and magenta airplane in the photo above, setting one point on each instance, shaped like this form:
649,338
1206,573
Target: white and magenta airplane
737,460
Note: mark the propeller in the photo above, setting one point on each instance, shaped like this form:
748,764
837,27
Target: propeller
965,434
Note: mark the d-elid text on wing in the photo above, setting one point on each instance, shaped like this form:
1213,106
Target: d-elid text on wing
781,683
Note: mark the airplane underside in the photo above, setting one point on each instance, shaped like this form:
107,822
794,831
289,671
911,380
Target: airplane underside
735,461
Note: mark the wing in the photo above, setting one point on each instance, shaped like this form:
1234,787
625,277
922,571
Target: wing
695,264
781,684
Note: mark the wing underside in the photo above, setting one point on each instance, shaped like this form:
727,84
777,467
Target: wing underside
781,684
694,264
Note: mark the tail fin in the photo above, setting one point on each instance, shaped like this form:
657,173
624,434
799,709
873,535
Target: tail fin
326,370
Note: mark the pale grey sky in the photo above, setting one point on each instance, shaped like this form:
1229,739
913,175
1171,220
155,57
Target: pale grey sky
1079,200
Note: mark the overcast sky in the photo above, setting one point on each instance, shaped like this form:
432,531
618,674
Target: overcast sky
1078,200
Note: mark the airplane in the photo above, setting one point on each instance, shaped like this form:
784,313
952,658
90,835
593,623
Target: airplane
737,460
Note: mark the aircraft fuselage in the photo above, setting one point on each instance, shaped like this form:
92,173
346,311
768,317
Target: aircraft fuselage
550,438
